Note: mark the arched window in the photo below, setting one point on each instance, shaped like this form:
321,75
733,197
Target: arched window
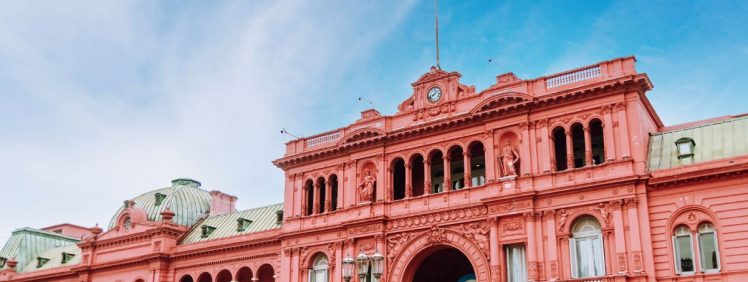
319,271
597,141
708,248
577,144
205,277
186,278
437,171
244,275
416,175
457,168
559,148
477,164
322,186
683,250
224,276
334,191
586,249
309,188
398,179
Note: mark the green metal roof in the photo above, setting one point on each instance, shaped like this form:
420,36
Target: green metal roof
27,243
185,198
263,218
718,140
55,258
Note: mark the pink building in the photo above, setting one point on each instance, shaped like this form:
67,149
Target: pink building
567,177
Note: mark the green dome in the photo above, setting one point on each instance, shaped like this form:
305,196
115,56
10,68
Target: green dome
185,198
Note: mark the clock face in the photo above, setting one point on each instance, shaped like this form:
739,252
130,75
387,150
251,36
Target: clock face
434,94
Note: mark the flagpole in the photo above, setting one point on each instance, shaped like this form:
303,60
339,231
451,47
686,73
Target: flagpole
436,30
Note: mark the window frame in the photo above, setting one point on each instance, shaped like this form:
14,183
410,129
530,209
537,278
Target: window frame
677,251
716,249
592,236
317,268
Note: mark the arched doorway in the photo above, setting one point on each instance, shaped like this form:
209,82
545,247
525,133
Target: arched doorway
442,263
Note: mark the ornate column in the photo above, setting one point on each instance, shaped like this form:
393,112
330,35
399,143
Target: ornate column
349,194
426,176
569,151
636,249
608,139
550,229
587,146
539,246
532,143
328,195
317,189
494,246
286,264
295,263
524,150
447,174
304,199
408,180
532,261
553,156
466,169
390,195
340,172
544,134
623,130
618,232
490,151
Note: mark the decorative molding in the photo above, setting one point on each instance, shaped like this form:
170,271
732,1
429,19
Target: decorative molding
438,217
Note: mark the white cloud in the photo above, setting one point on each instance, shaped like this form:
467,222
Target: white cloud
106,100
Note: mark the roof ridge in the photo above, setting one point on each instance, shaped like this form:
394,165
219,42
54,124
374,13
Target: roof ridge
246,210
726,119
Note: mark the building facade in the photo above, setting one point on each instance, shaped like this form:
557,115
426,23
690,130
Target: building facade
567,177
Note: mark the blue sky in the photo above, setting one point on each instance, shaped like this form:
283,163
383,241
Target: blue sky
104,100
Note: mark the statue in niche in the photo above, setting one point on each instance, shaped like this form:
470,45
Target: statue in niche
508,160
366,187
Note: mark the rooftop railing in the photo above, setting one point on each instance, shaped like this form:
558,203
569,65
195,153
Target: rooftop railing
322,139
573,77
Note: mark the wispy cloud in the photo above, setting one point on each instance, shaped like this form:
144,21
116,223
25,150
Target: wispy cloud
105,100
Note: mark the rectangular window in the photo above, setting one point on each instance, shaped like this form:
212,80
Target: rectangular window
515,263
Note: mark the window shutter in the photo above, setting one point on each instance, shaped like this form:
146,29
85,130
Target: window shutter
716,249
599,256
676,255
573,258
701,252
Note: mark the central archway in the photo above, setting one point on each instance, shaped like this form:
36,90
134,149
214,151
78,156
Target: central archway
425,252
442,263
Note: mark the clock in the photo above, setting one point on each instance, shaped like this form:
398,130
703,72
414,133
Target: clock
434,94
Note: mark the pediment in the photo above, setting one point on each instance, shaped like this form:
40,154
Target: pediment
504,100
361,134
433,75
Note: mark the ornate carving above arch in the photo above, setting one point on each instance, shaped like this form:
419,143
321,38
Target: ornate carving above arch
361,134
504,100
412,245
691,216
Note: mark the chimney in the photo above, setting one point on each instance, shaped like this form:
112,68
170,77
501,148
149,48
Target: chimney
221,203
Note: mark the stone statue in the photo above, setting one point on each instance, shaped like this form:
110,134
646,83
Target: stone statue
366,187
509,159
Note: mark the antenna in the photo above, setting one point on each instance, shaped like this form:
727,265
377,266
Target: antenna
362,99
284,131
436,30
